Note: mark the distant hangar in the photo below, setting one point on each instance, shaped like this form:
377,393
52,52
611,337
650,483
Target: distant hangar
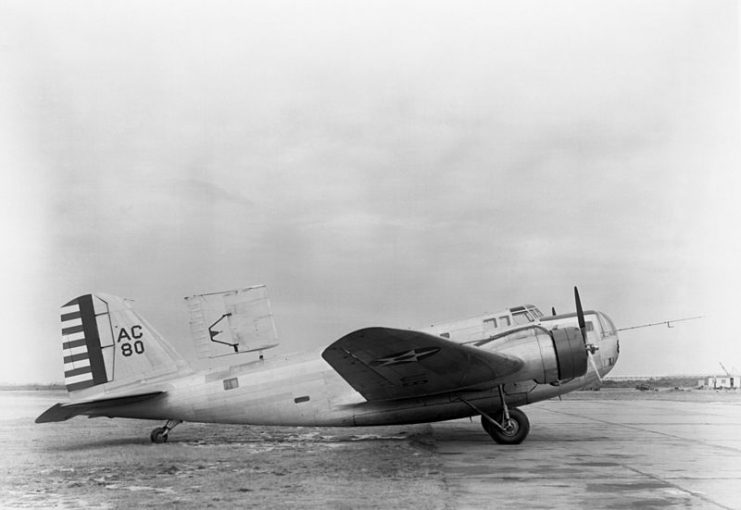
729,382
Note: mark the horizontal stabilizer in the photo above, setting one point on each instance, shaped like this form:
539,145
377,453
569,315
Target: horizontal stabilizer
386,364
62,412
230,322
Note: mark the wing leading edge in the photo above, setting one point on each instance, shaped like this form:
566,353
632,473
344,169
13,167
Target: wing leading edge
389,364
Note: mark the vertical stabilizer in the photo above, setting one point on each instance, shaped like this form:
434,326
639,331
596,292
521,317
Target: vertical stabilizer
107,344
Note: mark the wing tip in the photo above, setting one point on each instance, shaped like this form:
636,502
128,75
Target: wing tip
57,412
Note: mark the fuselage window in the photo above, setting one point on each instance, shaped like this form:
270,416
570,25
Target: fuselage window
230,384
490,324
504,321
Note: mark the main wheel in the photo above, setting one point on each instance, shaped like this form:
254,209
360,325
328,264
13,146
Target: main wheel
159,435
515,431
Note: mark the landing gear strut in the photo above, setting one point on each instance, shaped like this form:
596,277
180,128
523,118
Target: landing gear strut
159,435
507,426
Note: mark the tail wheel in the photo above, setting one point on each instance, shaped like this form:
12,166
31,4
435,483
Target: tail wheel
159,435
513,431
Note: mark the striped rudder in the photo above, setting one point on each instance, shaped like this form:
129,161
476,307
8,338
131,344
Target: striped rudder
107,344
83,358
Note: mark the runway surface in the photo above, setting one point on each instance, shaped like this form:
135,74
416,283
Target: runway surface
596,450
602,454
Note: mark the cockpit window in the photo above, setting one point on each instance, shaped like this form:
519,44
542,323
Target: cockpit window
537,314
522,318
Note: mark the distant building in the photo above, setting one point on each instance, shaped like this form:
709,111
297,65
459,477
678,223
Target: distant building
731,382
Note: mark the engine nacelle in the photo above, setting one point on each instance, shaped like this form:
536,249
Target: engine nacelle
549,356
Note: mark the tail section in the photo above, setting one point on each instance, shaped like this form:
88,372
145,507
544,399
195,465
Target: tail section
107,345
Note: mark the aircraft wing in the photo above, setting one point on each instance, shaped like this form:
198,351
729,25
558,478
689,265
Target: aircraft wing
62,412
388,364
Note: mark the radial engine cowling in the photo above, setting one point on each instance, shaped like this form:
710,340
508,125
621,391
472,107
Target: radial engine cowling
571,352
549,356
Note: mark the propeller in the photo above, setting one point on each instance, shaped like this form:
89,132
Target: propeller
591,348
580,315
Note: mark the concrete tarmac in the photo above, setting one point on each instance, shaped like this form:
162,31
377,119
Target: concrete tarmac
610,449
601,454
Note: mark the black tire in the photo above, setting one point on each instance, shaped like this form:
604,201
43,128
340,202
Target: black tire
159,435
516,431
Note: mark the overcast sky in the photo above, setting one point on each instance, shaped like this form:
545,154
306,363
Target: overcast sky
374,163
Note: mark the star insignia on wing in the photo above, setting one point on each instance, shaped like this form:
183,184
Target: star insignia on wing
412,356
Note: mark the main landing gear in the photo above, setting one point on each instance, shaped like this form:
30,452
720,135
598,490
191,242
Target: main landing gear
512,430
159,435
507,426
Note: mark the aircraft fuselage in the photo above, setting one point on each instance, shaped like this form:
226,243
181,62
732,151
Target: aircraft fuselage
307,391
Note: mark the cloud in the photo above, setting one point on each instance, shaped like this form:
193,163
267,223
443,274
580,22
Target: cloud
394,164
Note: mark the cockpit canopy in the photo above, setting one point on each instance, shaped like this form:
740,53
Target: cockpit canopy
484,326
525,314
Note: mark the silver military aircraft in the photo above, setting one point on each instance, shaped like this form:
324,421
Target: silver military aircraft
117,365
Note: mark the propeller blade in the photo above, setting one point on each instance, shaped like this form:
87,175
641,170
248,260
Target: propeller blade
594,366
591,348
580,315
